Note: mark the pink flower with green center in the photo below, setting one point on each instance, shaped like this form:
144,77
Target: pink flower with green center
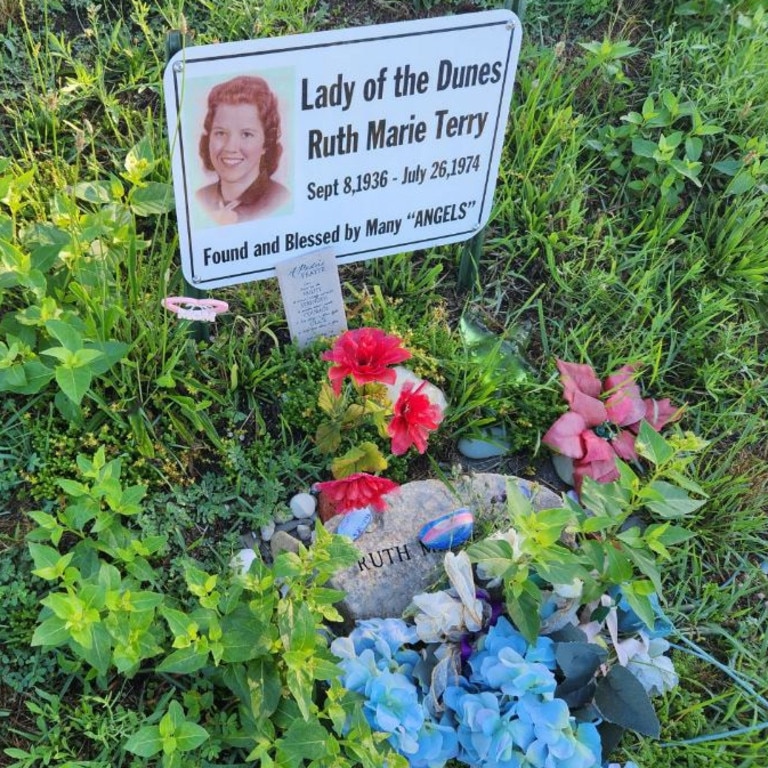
603,420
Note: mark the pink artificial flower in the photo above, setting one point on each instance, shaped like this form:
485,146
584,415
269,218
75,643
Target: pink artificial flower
603,420
414,417
357,491
364,354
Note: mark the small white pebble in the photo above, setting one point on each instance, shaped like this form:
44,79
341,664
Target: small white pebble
303,505
242,560
267,531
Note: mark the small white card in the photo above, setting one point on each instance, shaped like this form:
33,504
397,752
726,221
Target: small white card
311,292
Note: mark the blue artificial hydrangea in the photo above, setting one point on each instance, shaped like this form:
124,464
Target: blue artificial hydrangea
437,743
504,714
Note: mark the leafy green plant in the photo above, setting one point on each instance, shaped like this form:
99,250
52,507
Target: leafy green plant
255,641
610,545
652,152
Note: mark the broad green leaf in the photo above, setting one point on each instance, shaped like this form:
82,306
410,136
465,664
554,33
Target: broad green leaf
266,688
621,699
304,741
524,611
243,640
49,563
742,182
94,191
140,159
644,148
53,631
328,437
301,685
99,653
153,198
496,555
189,736
65,334
668,501
652,446
184,661
74,382
146,742
365,457
637,594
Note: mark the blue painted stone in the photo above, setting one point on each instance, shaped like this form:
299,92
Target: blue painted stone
448,531
355,523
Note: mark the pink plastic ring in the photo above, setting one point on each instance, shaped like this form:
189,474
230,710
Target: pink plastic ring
195,309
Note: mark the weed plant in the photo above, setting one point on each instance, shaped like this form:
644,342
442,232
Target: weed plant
630,225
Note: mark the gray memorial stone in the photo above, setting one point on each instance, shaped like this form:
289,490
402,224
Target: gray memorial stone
393,564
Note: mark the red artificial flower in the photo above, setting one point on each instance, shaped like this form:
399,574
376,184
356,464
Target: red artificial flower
414,417
603,420
364,354
357,491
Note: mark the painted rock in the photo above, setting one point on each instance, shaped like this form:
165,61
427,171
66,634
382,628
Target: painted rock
448,531
355,523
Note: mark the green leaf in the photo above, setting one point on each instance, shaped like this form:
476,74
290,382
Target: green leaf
49,564
637,594
524,611
243,639
184,661
99,653
74,382
304,740
189,736
266,687
94,191
328,437
644,148
53,631
146,742
622,700
301,685
668,501
153,198
365,457
652,446
496,555
742,182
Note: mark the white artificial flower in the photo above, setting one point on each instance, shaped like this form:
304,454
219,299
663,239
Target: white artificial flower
450,615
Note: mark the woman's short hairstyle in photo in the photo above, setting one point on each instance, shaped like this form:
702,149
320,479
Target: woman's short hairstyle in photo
246,89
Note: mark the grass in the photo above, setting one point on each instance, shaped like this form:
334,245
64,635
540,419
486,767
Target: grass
605,253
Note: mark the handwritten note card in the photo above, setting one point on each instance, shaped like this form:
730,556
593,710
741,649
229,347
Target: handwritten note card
311,292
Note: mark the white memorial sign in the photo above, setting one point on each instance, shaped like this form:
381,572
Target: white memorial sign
370,141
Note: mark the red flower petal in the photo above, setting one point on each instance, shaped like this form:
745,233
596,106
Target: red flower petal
624,404
658,413
364,354
564,436
596,448
600,471
357,491
589,408
414,417
624,445
579,376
